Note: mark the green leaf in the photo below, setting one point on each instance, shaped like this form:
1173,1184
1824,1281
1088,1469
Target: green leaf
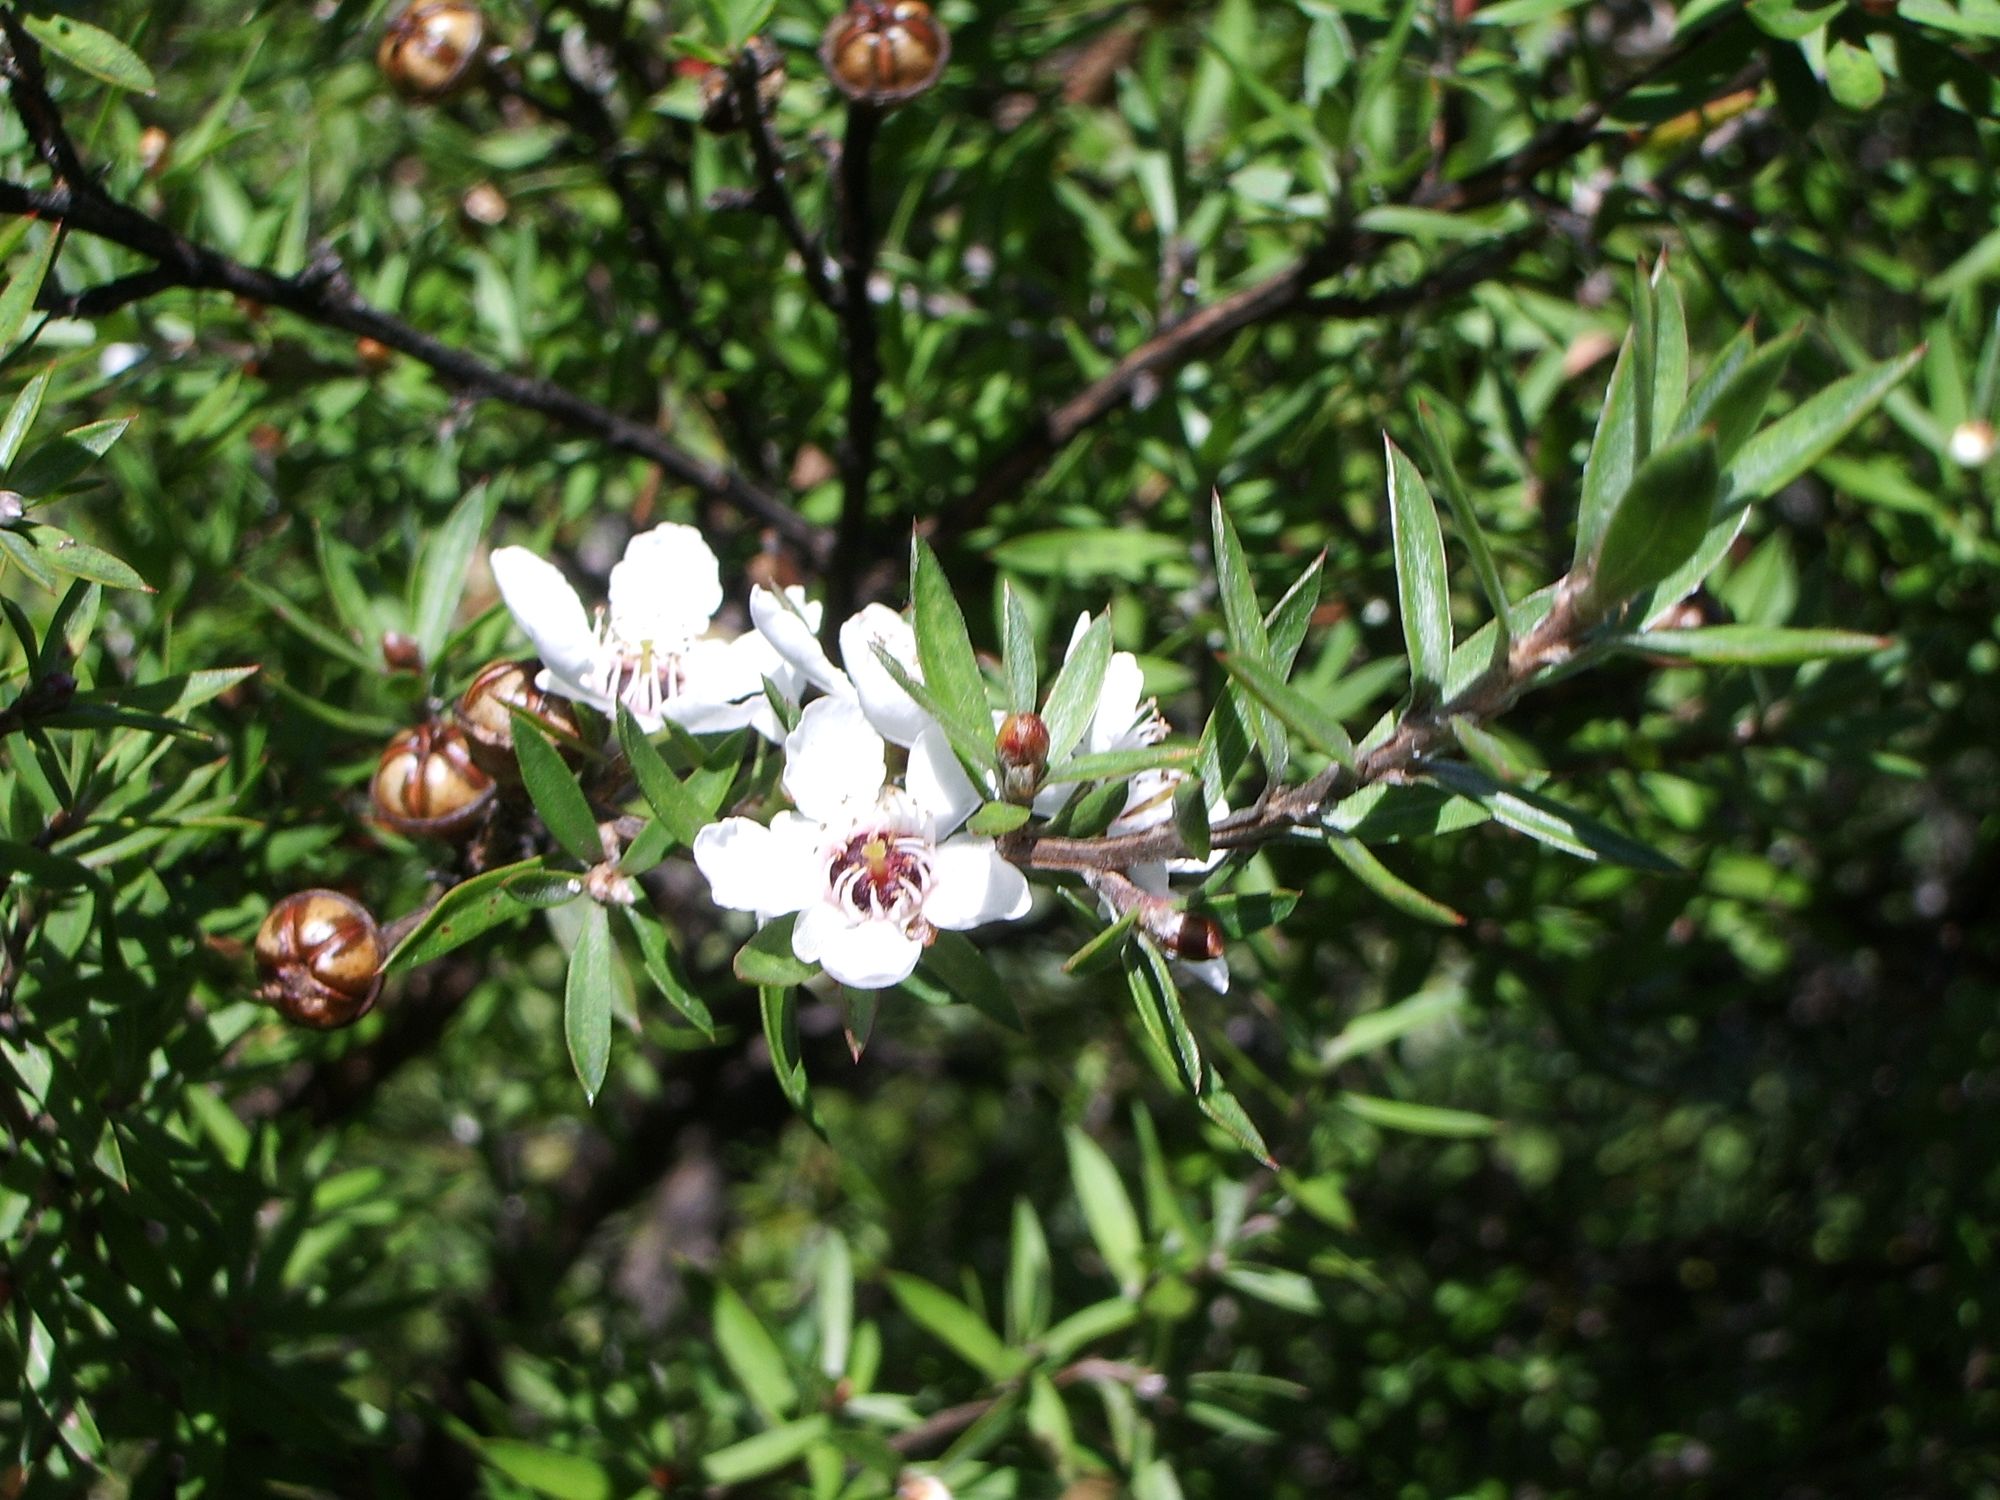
957,963
753,1356
656,953
587,1001
1670,351
1017,640
996,818
1087,1325
1291,617
1119,765
555,792
560,1476
1799,439
1296,711
672,803
1549,822
1419,1119
1752,645
954,1325
767,959
49,466
1656,527
835,1304
1244,621
1191,816
1375,1029
1733,406
98,53
1098,952
1421,585
780,1010
1107,1210
1074,693
1030,1277
441,579
17,300
1437,454
1607,471
27,406
944,650
464,912
766,1452
1361,863
1158,1000
974,748
1250,913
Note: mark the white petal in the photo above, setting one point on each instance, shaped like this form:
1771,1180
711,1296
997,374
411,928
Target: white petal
1149,802
971,884
834,761
937,783
869,955
666,588
1119,719
1213,972
818,921
549,613
890,709
790,625
765,870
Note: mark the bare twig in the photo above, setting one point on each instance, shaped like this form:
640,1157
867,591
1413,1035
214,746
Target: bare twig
773,194
1286,292
322,293
864,365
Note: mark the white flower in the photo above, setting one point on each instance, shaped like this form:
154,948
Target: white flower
868,867
1973,444
792,634
650,649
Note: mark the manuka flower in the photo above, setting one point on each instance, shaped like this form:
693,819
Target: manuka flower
649,650
790,630
870,868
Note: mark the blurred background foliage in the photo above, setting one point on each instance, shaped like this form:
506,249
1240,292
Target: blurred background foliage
1632,1184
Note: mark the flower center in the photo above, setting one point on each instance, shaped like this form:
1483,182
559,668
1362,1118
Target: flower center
636,671
880,874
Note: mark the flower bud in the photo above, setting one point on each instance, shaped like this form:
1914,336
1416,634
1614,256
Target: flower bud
1195,938
484,714
427,783
401,653
319,959
375,356
884,51
155,147
432,48
1973,444
1023,743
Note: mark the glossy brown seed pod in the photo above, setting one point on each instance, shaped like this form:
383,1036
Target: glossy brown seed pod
432,49
1197,938
319,959
484,713
884,51
428,784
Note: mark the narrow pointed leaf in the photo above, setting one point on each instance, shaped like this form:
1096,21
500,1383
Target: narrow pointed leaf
553,788
1421,585
1291,616
1806,434
672,803
944,649
93,50
954,1325
1074,693
1437,454
1549,822
587,1002
1107,1209
780,1008
1658,525
1018,649
1293,709
441,579
1608,469
1248,638
1752,645
1362,864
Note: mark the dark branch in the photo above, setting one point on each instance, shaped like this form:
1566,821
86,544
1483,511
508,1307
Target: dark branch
773,195
864,364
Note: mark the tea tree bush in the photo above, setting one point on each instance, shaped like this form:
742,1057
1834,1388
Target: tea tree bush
1059,750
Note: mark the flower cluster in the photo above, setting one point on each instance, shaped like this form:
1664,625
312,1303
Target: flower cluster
871,859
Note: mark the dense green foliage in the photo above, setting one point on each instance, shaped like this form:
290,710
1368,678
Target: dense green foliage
1653,1174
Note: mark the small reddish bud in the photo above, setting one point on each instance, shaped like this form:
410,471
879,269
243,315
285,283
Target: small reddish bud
375,356
1197,938
1023,743
319,959
427,783
155,147
485,204
485,714
432,49
401,653
883,52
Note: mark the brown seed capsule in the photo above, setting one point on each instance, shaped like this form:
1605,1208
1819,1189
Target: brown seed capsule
319,959
484,714
431,49
427,783
884,51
